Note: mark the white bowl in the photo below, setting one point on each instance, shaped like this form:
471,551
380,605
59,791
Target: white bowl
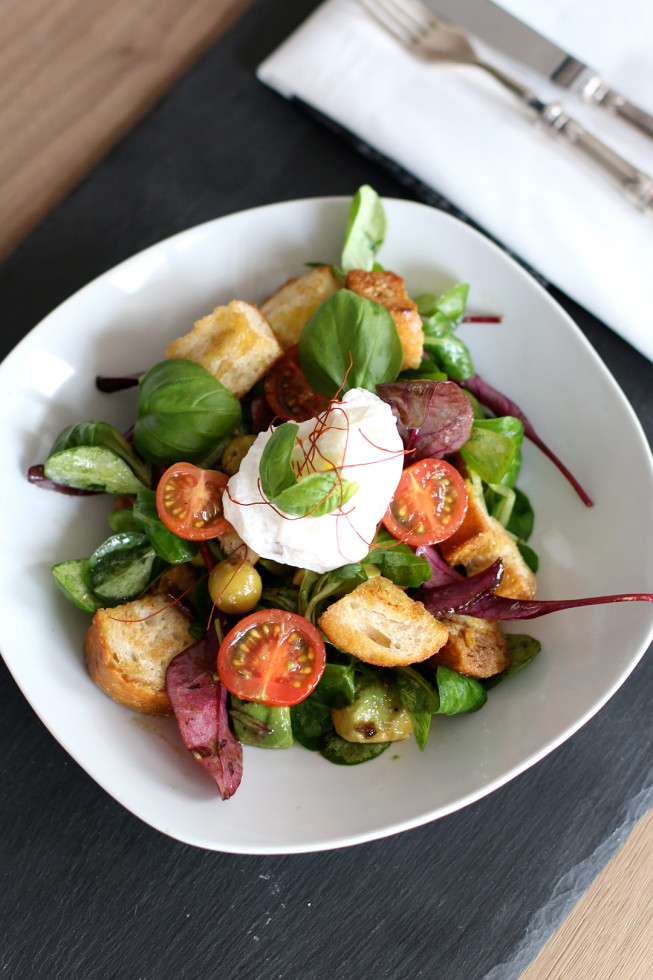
295,801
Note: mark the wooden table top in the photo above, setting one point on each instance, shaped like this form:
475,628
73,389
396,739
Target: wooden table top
74,78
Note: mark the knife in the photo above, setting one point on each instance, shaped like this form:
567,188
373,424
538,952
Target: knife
503,31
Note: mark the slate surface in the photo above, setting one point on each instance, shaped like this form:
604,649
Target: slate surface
90,892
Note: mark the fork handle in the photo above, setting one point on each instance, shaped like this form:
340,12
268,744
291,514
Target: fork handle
635,184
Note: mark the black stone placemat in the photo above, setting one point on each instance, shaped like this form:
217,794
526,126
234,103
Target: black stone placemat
88,891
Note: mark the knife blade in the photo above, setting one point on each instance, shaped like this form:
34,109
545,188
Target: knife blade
505,32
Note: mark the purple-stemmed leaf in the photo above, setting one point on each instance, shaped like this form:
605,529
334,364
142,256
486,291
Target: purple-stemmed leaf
474,596
36,475
502,405
199,702
488,606
434,418
442,574
458,596
108,383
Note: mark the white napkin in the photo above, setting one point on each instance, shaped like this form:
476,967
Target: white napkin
459,132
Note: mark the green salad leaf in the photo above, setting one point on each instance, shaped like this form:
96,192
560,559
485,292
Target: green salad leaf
122,567
95,456
182,413
365,231
349,342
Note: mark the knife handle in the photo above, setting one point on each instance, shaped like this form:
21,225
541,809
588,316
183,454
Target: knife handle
635,184
584,81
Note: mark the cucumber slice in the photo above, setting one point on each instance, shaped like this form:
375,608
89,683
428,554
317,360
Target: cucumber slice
74,579
92,468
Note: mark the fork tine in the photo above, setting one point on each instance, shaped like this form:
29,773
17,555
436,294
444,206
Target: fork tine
394,19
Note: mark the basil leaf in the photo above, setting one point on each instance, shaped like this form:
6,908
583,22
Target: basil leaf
121,568
101,434
458,694
182,413
275,468
74,579
349,342
92,468
365,231
420,699
398,562
316,494
167,545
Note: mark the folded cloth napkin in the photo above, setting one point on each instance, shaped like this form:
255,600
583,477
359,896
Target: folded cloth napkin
460,132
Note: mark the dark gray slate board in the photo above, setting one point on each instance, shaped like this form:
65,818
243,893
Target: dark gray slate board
90,892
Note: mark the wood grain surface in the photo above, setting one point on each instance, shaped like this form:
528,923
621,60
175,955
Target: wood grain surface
75,76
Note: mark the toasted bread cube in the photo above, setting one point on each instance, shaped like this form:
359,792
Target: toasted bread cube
235,343
476,647
477,544
389,290
289,309
128,649
380,624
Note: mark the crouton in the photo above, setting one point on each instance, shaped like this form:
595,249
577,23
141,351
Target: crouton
289,309
129,647
235,343
477,544
475,647
380,624
389,290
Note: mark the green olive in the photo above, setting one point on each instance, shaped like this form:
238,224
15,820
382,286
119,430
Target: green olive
235,587
235,453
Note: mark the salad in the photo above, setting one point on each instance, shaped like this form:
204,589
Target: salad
316,527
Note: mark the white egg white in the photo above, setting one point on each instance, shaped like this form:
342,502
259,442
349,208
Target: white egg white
359,437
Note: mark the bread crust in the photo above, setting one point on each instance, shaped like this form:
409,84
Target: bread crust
477,544
475,647
379,624
291,306
389,289
128,649
234,343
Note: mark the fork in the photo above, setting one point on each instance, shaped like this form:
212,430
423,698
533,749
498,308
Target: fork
428,37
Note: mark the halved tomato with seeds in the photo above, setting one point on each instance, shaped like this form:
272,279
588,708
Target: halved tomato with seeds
429,504
288,393
189,502
273,656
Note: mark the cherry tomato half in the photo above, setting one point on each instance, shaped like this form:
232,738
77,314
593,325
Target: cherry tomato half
288,393
189,502
429,504
273,656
